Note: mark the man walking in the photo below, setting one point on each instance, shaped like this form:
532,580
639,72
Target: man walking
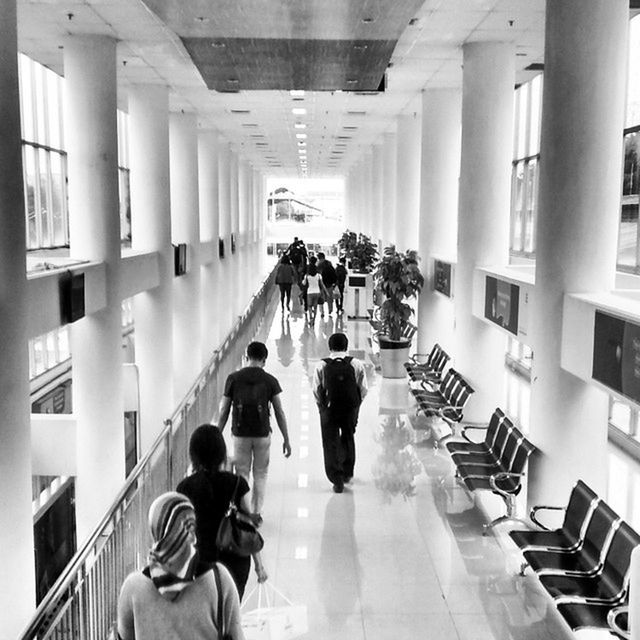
250,391
329,279
341,278
339,386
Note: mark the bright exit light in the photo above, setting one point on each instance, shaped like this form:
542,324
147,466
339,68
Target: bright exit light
298,111
300,125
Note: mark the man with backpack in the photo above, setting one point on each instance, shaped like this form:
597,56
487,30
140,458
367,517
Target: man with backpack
329,279
339,386
251,391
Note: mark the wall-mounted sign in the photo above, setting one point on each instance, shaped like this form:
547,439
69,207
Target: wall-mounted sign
616,355
501,301
180,259
442,277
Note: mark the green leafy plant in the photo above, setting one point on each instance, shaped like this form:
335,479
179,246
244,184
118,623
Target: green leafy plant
359,250
397,279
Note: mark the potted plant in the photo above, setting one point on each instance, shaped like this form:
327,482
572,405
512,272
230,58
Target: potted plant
397,279
359,251
361,255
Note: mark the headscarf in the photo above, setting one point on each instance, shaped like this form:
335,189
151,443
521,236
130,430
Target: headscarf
172,557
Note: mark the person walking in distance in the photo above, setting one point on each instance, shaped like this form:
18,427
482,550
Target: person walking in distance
341,278
251,391
339,386
329,279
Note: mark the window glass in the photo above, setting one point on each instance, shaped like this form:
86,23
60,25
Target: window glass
63,343
628,230
52,349
26,98
530,211
54,105
41,104
45,204
522,121
31,195
125,204
620,416
517,199
536,112
58,199
633,74
38,356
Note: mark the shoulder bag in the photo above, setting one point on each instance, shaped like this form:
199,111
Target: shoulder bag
237,533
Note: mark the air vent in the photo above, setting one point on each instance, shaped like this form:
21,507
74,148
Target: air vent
350,128
343,137
250,125
535,66
356,113
257,135
262,144
240,112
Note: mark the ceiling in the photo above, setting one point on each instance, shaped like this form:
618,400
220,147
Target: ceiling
233,62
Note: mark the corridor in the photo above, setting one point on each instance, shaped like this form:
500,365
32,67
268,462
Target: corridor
399,555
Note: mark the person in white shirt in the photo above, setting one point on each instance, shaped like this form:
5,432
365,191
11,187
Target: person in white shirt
339,387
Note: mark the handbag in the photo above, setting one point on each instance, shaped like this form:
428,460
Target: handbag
237,533
222,634
272,621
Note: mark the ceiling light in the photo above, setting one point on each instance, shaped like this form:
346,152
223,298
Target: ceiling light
235,80
298,111
300,125
368,20
351,81
301,136
296,92
218,45
302,143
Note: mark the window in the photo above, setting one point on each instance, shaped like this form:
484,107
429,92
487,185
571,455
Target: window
123,177
44,159
48,351
524,181
518,382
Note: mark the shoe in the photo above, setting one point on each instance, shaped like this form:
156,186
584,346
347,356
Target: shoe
338,487
348,479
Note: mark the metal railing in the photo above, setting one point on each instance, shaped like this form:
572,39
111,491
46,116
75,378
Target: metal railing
82,603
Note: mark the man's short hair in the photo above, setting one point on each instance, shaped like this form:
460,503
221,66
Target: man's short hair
338,342
257,351
320,255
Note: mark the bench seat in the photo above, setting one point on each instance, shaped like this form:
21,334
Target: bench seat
427,367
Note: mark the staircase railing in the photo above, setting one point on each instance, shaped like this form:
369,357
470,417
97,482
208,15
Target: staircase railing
82,603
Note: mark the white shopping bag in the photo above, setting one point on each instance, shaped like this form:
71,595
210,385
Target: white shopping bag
271,621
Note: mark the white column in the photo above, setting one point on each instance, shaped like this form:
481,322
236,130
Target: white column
408,180
367,227
483,212
237,289
348,198
378,192
225,288
579,210
185,228
390,162
92,144
209,232
244,269
17,579
151,231
356,215
440,169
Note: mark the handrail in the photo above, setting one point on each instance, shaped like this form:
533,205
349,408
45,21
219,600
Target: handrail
56,602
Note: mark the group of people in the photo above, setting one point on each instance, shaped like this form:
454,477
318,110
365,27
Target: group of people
316,277
189,588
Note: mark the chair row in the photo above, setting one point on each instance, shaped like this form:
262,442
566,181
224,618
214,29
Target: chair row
584,564
496,464
427,367
445,399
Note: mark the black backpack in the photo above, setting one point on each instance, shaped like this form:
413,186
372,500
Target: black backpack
341,390
329,274
251,409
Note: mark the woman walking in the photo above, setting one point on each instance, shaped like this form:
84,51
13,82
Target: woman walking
177,595
285,277
210,489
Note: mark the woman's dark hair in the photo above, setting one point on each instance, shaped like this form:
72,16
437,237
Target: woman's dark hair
207,448
312,270
285,260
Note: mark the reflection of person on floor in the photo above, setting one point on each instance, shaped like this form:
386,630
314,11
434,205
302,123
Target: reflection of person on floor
284,343
339,590
339,386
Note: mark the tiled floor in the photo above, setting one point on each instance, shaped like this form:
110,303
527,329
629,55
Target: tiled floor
399,555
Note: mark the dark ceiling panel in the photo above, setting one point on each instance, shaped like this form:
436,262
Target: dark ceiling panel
243,64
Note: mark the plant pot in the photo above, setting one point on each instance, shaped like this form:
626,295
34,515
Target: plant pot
393,355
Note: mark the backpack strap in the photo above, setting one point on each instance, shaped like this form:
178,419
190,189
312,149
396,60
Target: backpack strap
220,616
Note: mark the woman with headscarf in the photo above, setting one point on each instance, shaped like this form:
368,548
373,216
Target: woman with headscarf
210,489
176,595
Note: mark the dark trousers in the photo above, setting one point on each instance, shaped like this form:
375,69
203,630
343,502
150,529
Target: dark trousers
340,301
338,444
285,292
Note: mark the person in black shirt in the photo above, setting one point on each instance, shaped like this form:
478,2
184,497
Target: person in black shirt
210,490
341,278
